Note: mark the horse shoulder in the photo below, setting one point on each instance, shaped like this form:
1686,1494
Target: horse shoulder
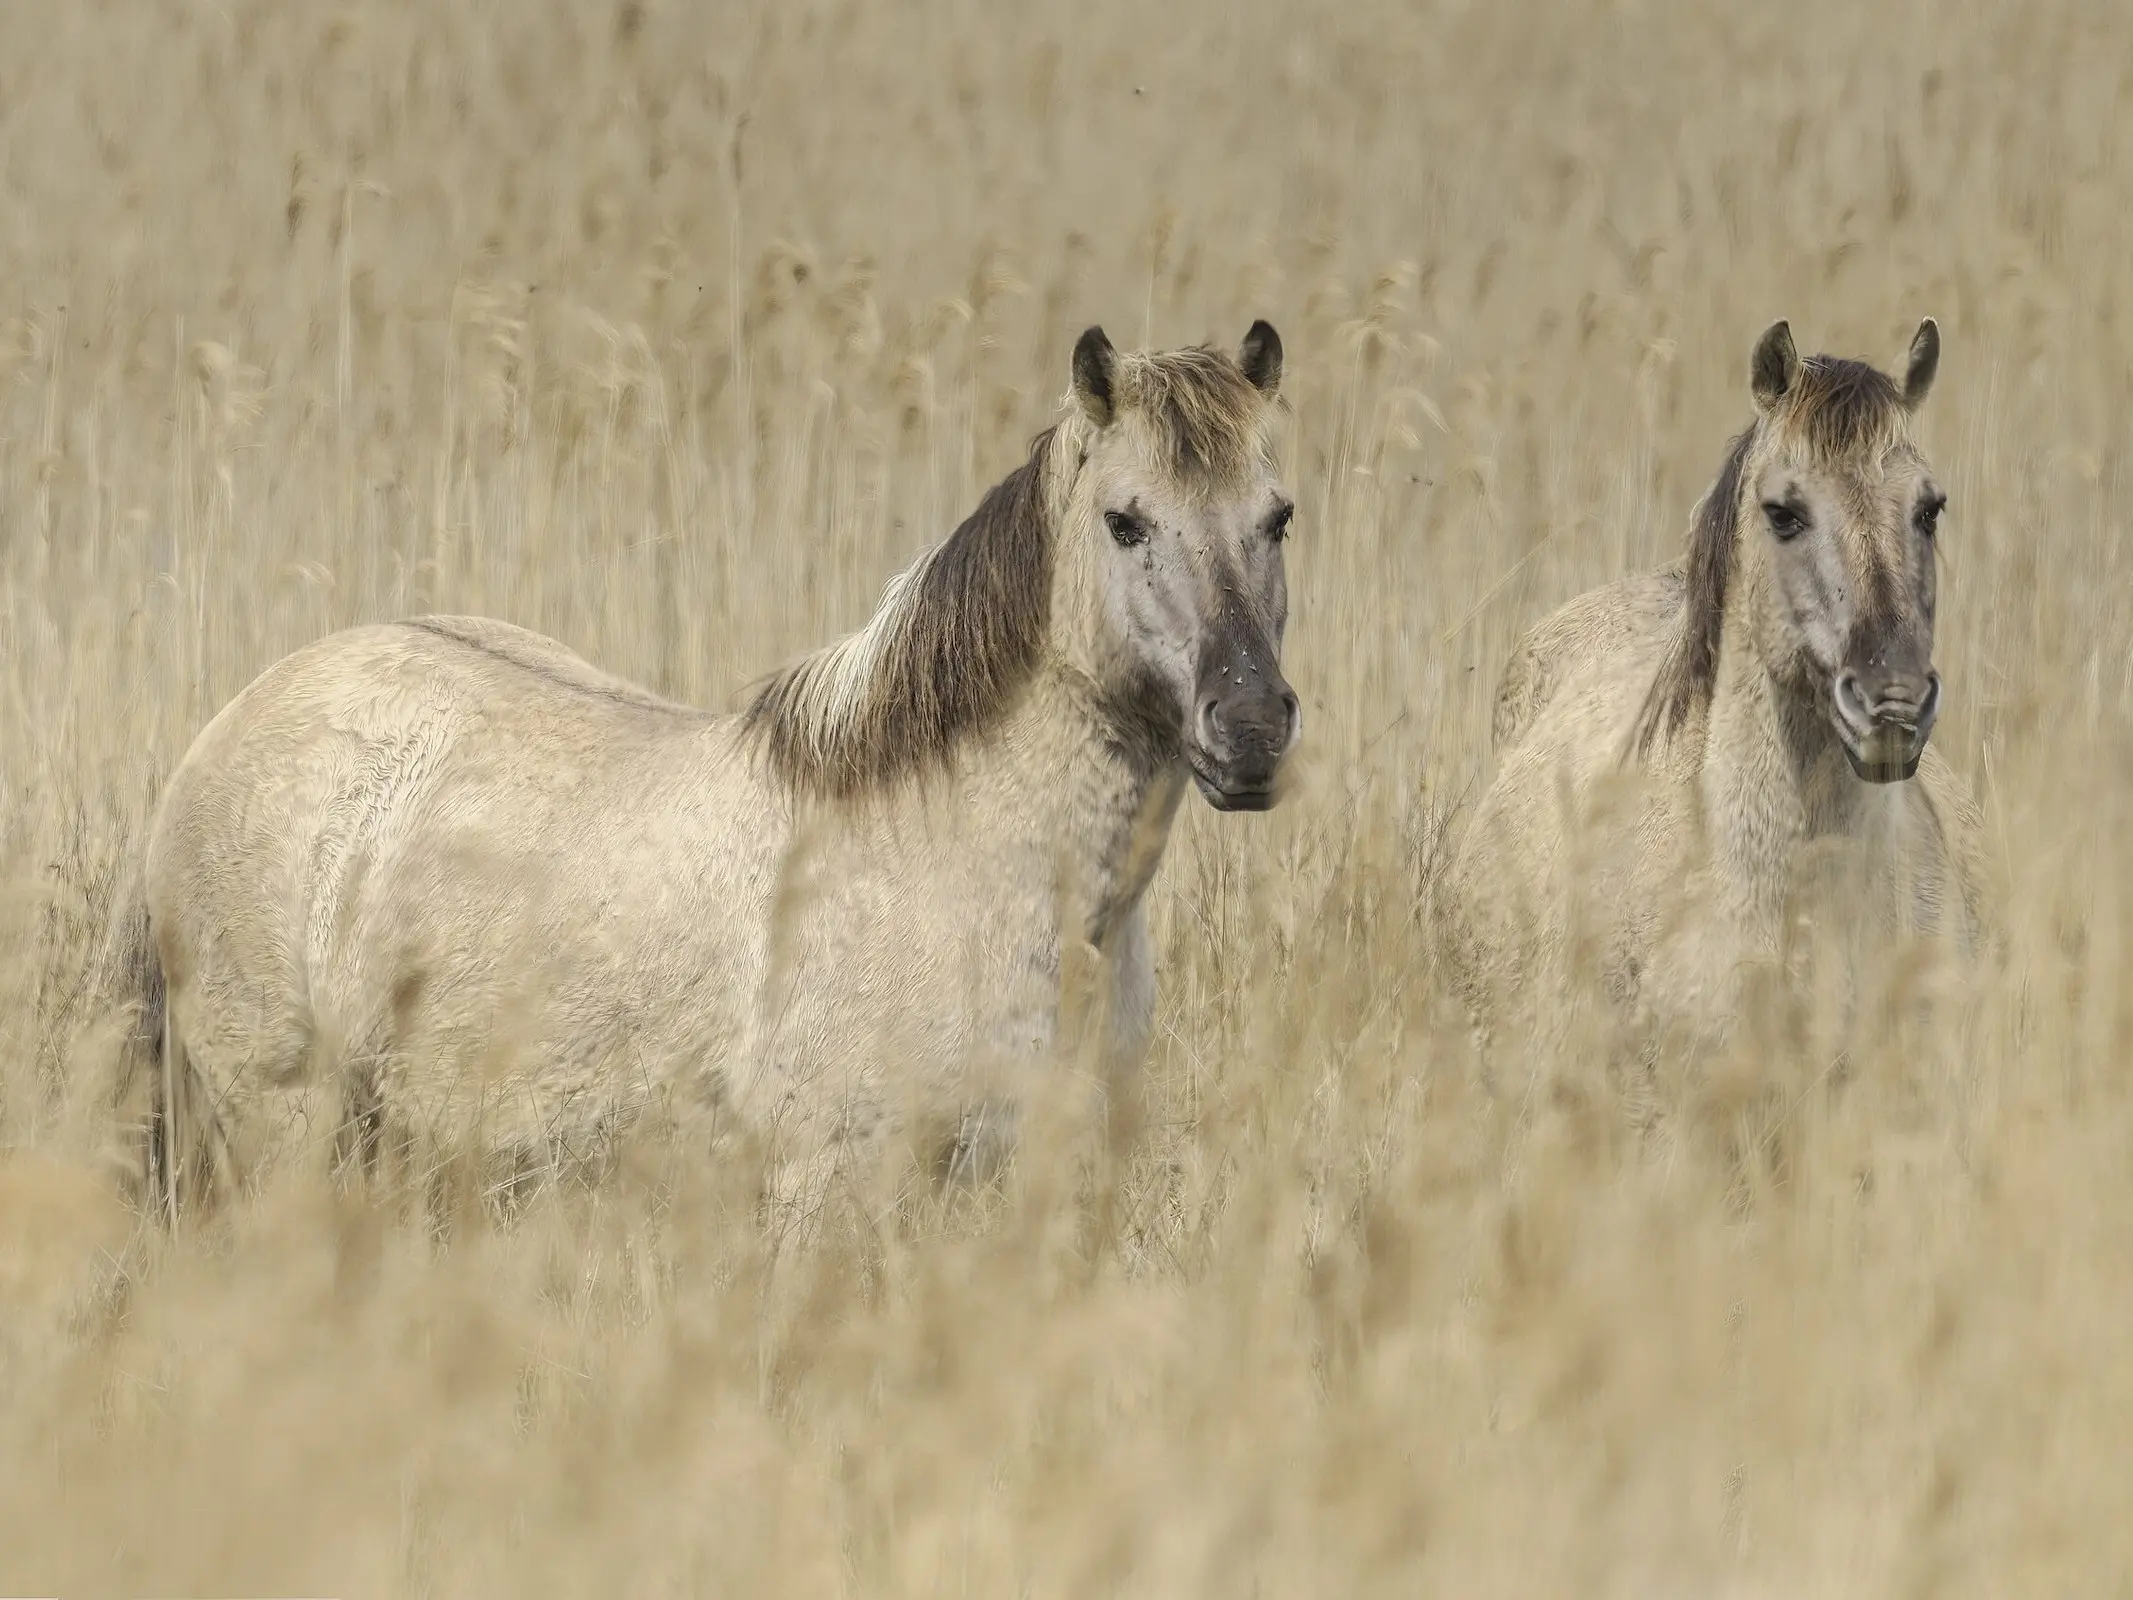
1954,831
1632,615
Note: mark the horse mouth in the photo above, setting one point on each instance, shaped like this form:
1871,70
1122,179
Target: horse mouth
1888,753
1232,797
1884,730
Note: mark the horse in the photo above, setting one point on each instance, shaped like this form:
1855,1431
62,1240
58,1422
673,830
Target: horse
441,883
1683,752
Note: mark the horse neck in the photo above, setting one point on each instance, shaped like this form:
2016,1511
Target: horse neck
1090,791
1065,784
1773,776
1105,784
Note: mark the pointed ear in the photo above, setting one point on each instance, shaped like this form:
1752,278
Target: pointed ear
1924,363
1775,366
1095,376
1260,357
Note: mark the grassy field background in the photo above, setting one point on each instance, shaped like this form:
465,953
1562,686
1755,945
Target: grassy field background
673,330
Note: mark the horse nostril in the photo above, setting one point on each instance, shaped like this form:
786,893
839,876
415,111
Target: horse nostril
1295,724
1210,722
1929,708
1851,699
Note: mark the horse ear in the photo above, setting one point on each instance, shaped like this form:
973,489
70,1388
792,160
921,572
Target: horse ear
1260,357
1924,363
1775,366
1095,375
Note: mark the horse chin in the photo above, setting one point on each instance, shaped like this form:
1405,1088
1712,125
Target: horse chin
1886,755
1223,798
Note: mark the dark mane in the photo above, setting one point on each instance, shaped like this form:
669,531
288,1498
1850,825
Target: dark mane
953,643
1690,670
958,635
1843,408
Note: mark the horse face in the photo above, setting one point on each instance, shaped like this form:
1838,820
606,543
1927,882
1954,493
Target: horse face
1848,517
1187,520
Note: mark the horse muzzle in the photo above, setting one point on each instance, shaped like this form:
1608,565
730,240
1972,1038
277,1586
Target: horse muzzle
1883,720
1238,743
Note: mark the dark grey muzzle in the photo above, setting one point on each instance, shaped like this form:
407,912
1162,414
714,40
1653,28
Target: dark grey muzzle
1884,715
1244,723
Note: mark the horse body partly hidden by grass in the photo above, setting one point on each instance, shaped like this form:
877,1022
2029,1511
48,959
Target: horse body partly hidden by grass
442,881
1681,751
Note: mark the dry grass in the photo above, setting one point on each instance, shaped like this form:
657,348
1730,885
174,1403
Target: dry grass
671,330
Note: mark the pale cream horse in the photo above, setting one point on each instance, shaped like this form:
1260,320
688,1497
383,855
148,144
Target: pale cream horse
1681,752
442,881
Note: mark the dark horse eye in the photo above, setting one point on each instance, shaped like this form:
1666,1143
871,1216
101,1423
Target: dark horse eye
1929,515
1125,528
1785,522
1277,526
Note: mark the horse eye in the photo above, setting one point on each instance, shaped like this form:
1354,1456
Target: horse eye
1785,522
1929,515
1125,528
1277,526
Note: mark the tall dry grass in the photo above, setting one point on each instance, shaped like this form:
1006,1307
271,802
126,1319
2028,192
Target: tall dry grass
672,330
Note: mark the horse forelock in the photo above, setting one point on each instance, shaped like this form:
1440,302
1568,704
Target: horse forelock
1845,409
1206,417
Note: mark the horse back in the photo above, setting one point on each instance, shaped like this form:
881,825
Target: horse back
543,660
324,768
1633,616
